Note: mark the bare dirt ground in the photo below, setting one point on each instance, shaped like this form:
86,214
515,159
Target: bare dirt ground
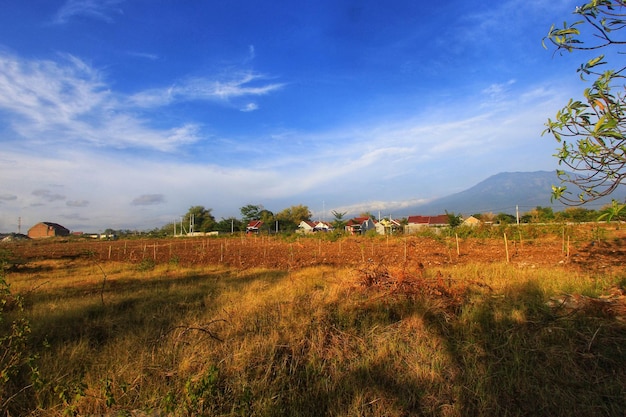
275,252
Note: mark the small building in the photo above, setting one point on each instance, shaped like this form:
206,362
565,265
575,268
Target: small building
254,226
47,229
415,223
471,221
388,227
307,226
322,226
359,225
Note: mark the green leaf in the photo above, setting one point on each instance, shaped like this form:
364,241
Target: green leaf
596,61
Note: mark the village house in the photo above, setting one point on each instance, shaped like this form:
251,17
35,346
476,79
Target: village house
388,227
254,226
471,221
47,229
308,226
416,223
360,225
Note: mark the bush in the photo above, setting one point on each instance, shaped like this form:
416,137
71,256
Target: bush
18,371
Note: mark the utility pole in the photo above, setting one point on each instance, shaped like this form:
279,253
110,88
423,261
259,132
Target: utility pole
19,225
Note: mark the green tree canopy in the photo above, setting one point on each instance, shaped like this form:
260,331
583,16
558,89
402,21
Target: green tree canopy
505,218
291,217
541,214
454,220
200,218
576,214
590,131
251,212
338,222
229,225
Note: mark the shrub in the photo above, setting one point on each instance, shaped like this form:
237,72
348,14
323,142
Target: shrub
18,370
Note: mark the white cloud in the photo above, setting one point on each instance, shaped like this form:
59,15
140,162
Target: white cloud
148,200
144,55
359,167
77,203
250,107
97,9
224,89
48,195
8,197
70,103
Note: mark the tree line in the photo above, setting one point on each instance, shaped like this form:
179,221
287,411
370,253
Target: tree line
287,220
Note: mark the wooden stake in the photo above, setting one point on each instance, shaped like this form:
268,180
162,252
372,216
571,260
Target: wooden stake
404,249
458,251
506,248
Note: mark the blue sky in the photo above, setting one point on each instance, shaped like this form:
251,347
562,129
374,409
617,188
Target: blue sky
125,113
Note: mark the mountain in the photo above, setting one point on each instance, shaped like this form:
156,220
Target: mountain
504,193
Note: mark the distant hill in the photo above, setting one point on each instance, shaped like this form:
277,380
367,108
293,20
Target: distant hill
501,193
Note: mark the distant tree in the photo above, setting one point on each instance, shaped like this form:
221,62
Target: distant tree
268,219
486,217
202,219
590,132
291,217
526,218
338,222
454,220
168,229
541,214
229,224
505,218
251,212
576,214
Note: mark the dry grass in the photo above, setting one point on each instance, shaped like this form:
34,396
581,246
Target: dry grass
162,339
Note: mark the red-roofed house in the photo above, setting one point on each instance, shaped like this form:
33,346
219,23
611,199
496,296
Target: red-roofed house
307,226
417,222
254,226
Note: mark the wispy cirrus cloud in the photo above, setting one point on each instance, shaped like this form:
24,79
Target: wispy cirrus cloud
96,9
68,101
144,55
245,84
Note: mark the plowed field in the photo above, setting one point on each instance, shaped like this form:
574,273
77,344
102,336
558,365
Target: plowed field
274,252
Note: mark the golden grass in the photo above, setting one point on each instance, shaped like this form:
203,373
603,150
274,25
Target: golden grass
217,341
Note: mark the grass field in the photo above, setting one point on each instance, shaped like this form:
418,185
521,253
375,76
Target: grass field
465,338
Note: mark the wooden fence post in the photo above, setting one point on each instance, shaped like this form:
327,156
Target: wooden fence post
506,248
